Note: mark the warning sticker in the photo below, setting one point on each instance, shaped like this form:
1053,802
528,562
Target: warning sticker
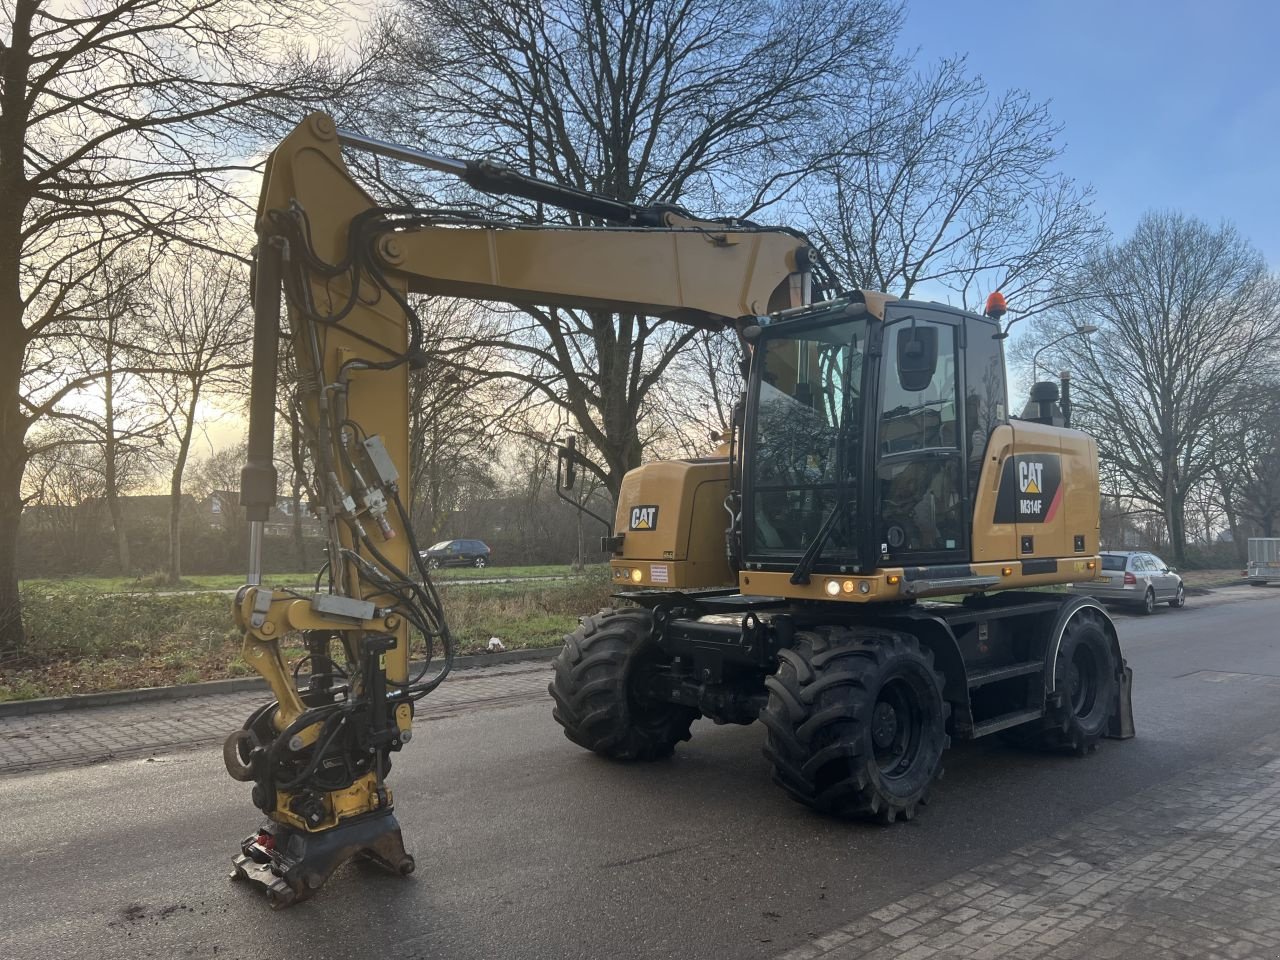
658,573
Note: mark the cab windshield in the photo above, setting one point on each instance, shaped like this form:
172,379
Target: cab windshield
806,437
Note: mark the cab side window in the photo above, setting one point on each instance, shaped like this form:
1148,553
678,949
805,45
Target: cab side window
919,417
921,474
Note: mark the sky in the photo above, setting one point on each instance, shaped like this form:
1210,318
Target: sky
1166,105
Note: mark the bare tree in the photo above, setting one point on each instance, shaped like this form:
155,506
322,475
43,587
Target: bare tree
948,185
218,472
200,333
456,412
692,409
1247,469
111,411
66,492
1189,319
120,119
716,104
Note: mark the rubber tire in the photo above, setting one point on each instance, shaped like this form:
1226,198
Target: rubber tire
1148,603
818,715
1066,729
592,688
433,564
480,563
1180,600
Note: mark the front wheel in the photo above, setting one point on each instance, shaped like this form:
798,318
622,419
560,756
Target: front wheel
1179,599
600,684
433,564
856,722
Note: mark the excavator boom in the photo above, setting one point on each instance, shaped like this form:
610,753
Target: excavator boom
318,756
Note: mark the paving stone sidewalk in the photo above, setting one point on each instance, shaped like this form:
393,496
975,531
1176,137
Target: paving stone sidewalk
1190,869
95,734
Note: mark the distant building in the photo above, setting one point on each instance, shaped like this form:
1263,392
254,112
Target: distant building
222,508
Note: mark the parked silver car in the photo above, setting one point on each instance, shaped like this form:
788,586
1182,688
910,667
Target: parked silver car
1135,577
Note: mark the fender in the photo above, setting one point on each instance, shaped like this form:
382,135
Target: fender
1069,610
1120,726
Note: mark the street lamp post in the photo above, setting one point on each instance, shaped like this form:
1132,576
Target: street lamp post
1084,330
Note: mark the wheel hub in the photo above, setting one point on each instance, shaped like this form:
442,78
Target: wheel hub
884,725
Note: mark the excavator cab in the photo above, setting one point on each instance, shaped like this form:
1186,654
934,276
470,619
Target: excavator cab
860,437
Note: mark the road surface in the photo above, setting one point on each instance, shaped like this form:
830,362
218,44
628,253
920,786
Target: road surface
528,847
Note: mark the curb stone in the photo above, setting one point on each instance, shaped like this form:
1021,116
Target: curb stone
111,698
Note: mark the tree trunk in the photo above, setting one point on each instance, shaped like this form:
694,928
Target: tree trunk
175,487
175,529
12,637
13,447
14,197
299,542
1175,523
1228,491
111,454
299,485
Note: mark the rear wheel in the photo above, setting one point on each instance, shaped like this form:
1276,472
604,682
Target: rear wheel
1086,685
599,689
480,563
1179,599
1149,602
857,723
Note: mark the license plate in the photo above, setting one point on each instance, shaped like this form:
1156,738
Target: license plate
1104,579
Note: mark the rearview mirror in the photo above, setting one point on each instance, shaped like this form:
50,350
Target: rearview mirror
917,357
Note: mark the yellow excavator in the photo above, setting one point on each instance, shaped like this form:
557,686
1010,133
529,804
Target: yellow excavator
872,465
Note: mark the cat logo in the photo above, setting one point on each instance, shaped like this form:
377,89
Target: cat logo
1030,476
1030,489
644,518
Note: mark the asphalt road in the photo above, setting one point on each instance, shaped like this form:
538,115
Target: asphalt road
528,847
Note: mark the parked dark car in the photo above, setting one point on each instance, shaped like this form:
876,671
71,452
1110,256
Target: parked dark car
457,553
1135,577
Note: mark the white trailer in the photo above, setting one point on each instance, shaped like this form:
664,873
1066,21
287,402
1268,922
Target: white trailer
1264,561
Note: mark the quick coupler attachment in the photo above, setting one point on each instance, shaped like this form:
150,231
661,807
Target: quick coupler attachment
289,865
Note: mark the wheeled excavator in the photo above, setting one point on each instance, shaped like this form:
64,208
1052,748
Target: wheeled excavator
872,466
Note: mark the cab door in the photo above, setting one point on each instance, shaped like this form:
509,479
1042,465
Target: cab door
921,515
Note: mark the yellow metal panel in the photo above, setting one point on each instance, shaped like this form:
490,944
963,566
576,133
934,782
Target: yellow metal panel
672,518
1049,537
660,272
1082,504
991,540
879,587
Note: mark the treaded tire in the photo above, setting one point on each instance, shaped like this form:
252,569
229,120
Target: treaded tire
1180,598
1086,676
1148,603
594,689
830,740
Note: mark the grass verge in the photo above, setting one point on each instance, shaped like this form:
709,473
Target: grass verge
155,583
82,641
